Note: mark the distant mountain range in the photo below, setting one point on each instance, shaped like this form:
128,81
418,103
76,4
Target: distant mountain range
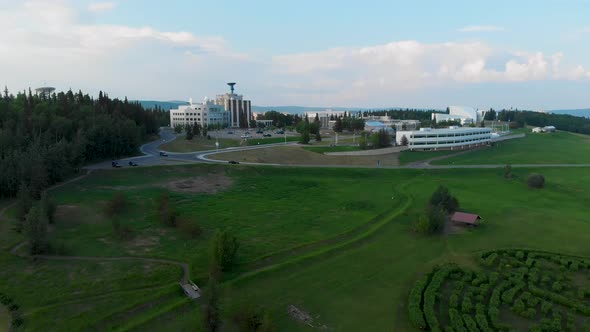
583,112
165,105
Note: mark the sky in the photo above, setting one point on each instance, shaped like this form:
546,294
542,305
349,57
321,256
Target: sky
425,54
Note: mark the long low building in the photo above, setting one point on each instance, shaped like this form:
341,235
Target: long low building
444,139
206,113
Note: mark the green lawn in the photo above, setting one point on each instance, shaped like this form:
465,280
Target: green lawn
5,319
541,148
408,157
309,237
272,140
340,148
181,144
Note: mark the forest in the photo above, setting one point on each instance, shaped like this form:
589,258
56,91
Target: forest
46,138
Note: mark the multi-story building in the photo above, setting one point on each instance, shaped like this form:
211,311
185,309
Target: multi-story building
240,110
444,139
206,114
227,110
464,115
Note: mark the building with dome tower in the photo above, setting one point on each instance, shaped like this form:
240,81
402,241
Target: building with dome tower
227,110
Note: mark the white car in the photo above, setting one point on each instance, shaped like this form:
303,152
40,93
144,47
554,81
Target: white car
245,136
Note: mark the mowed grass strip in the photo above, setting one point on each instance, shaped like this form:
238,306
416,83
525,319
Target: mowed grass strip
296,155
181,144
339,148
535,148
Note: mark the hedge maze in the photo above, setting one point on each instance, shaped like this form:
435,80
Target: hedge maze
514,290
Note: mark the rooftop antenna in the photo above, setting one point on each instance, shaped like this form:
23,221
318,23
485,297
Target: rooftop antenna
231,86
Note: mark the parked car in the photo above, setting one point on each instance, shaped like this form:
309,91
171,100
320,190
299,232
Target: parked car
233,162
245,136
115,164
163,154
230,132
280,132
131,163
259,131
266,135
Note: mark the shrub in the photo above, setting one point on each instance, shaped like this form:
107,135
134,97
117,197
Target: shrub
414,310
508,171
189,229
123,232
48,207
430,296
466,305
454,300
225,249
116,204
168,217
536,181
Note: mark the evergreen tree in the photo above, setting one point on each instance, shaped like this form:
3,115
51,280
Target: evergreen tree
189,132
225,249
212,316
318,137
338,125
47,207
36,230
404,140
23,205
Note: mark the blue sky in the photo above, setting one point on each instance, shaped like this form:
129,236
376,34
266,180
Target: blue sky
525,54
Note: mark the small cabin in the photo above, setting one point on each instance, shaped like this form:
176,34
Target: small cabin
466,219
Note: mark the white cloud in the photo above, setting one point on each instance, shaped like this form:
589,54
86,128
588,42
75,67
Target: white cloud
98,7
480,28
411,65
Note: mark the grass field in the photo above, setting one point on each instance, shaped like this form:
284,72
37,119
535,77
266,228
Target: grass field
542,148
340,148
304,242
296,155
408,157
180,144
5,319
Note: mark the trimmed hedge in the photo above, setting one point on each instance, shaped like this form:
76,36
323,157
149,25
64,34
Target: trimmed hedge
415,303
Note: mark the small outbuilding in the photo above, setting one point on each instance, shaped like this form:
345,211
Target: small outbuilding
466,219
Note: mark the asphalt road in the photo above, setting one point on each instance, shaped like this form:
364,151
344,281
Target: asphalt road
152,157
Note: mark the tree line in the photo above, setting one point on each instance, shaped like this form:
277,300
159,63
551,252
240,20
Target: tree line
564,122
44,139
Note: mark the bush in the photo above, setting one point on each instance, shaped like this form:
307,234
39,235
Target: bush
189,229
123,232
536,181
225,249
116,205
168,217
433,221
415,299
48,207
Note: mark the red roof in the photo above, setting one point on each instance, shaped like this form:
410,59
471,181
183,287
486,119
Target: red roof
466,218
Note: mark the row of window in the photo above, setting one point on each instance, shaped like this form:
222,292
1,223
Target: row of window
450,135
468,141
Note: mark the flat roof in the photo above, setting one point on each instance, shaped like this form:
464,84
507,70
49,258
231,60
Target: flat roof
446,130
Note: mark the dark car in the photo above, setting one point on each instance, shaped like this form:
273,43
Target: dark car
233,162
259,131
280,132
131,163
266,135
230,132
115,164
163,154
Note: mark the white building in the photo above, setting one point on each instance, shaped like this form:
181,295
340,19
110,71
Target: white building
450,138
205,113
465,115
240,110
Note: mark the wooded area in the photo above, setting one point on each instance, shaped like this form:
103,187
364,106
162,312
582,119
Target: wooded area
43,139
